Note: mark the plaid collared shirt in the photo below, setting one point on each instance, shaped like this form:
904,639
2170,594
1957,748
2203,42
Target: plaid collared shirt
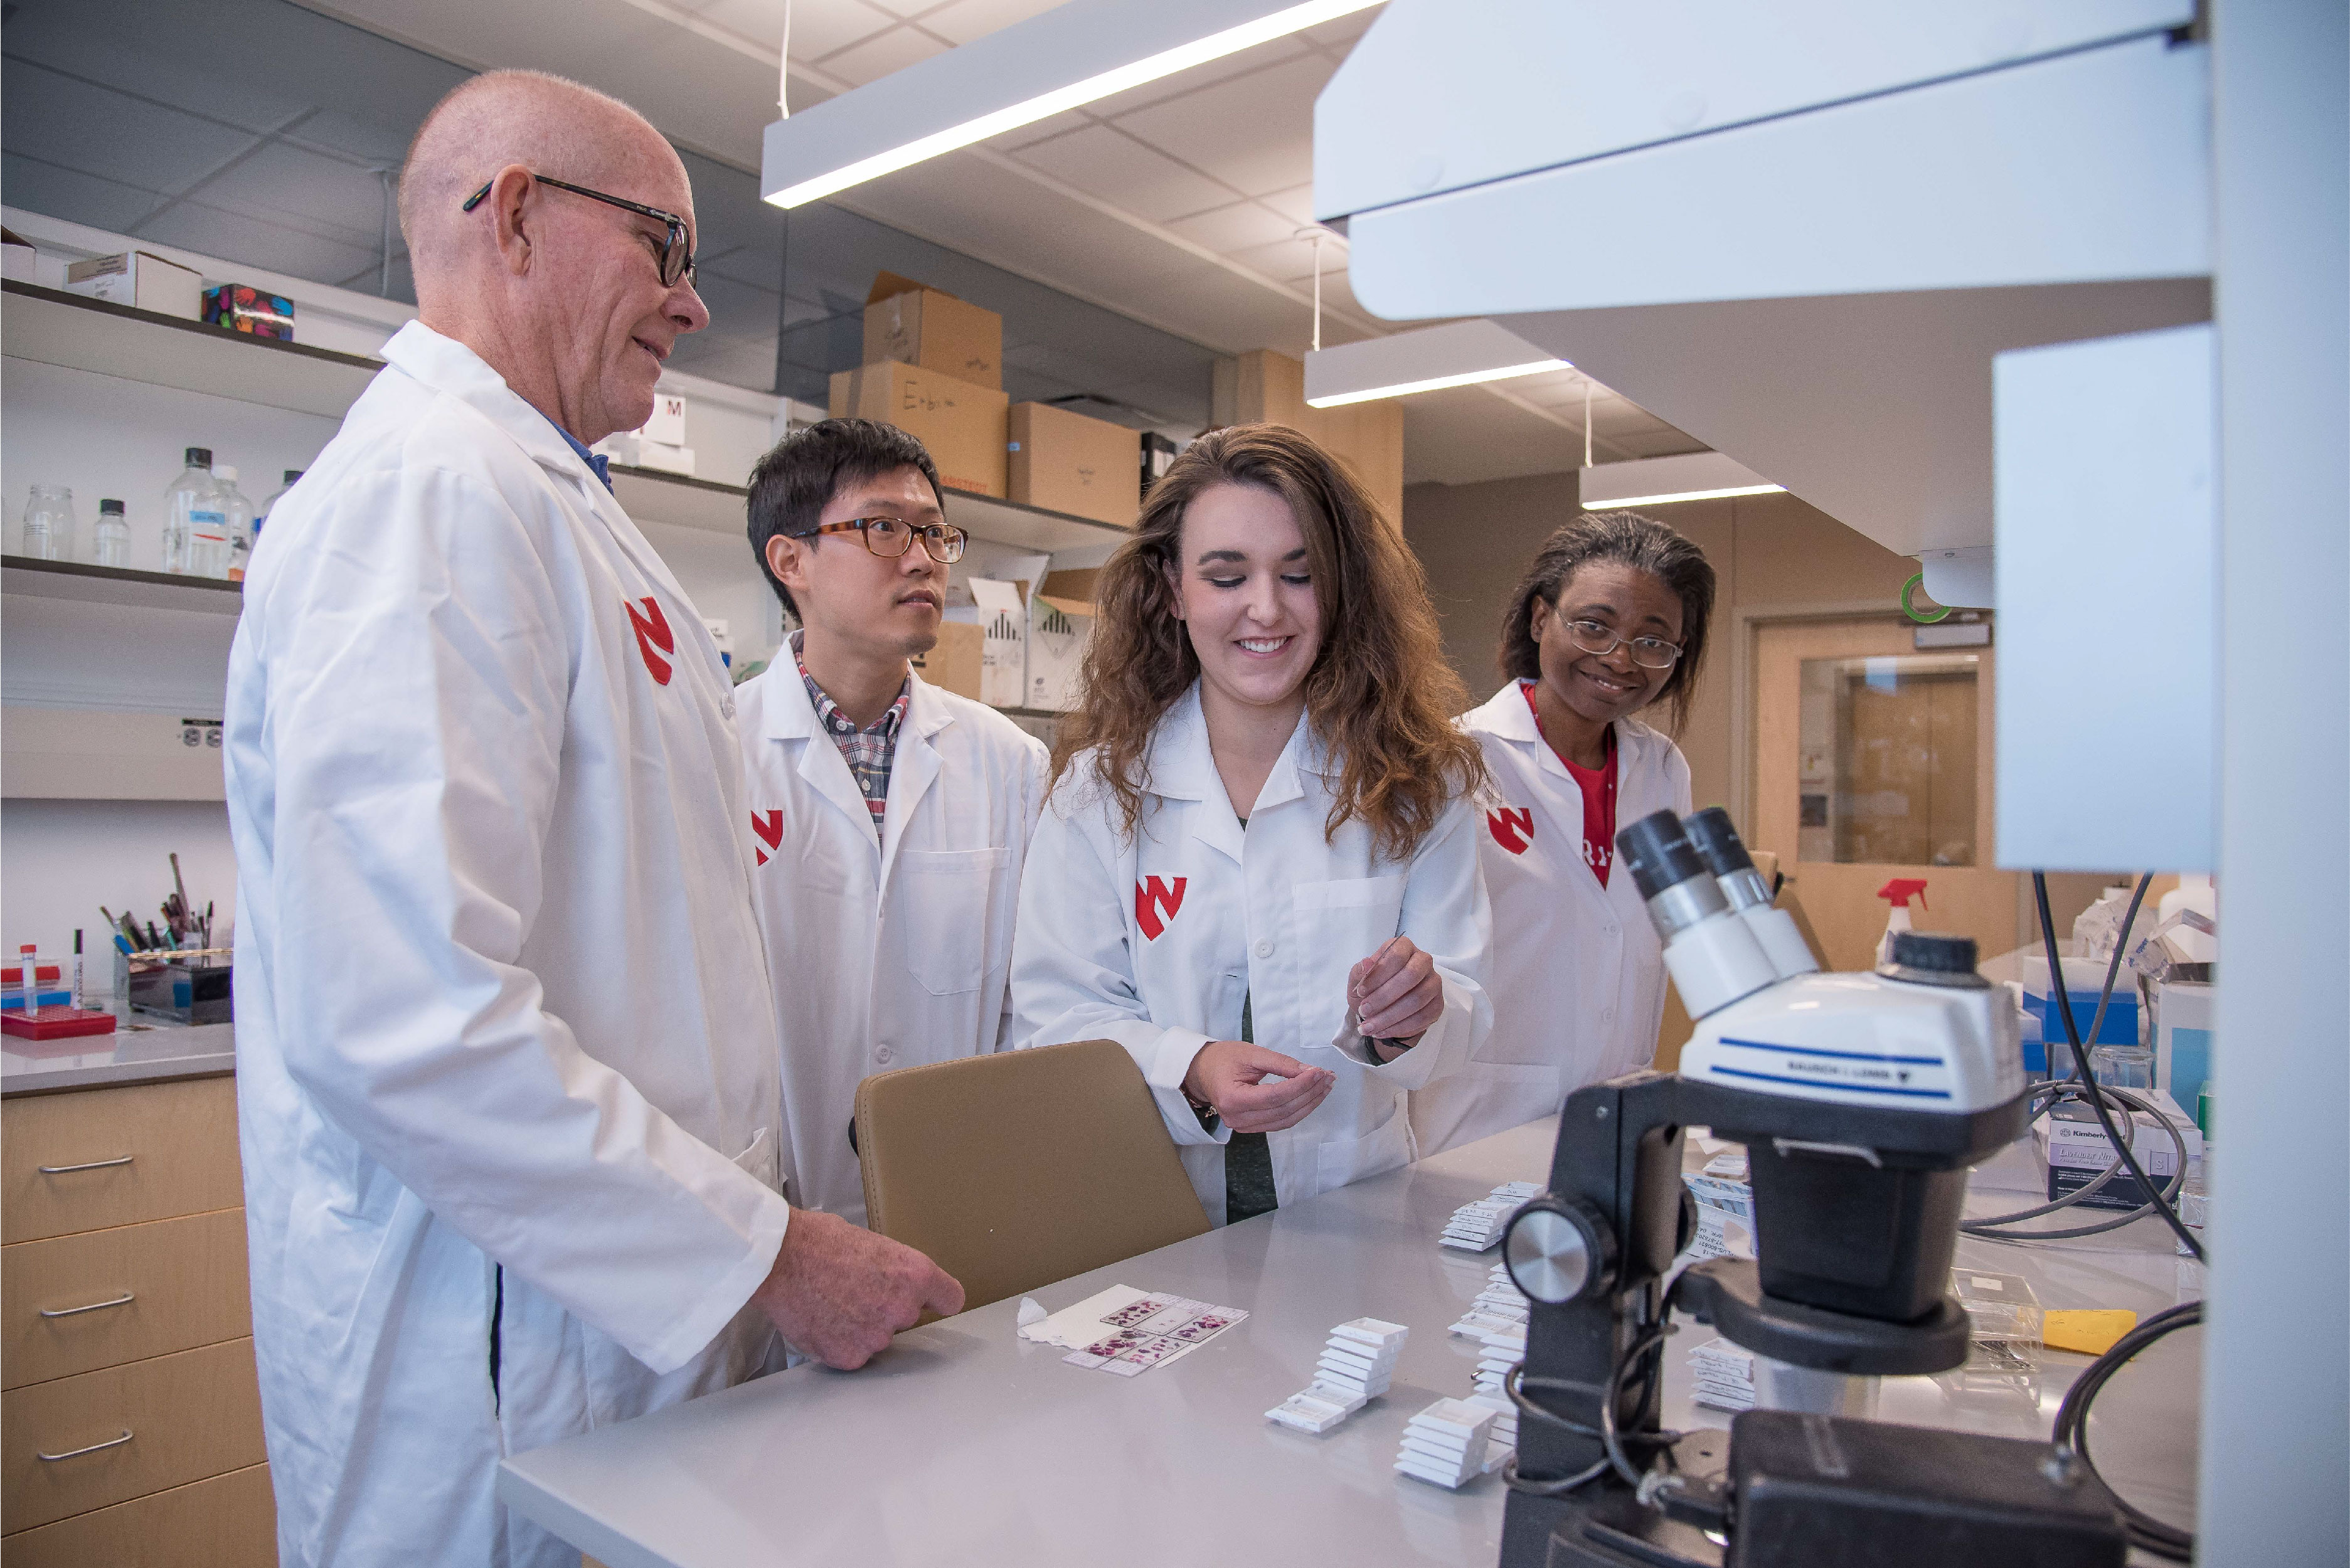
868,752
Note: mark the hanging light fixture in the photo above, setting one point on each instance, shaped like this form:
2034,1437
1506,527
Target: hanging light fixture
1072,55
1457,354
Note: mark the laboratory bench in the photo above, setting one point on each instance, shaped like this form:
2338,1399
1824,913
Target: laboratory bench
964,1443
130,1413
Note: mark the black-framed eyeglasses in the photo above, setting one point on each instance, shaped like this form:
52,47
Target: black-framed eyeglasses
1647,653
674,258
890,537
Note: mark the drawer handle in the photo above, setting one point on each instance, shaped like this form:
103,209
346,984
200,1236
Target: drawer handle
93,1165
77,1453
125,1299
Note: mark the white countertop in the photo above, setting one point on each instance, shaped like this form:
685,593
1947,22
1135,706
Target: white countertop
141,1050
964,1443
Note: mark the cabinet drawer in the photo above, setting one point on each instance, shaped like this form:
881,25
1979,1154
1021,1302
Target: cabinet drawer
185,1280
190,1416
149,1151
227,1521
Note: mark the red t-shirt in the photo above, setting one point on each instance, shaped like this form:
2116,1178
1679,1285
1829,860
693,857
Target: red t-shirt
1598,786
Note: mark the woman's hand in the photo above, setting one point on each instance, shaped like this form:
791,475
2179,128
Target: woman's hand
1255,1090
1395,994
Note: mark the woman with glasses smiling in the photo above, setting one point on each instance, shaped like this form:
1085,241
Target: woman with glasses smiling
1609,621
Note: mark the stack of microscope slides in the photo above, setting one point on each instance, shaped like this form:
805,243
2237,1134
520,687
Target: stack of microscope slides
1358,1363
1445,1444
1476,1227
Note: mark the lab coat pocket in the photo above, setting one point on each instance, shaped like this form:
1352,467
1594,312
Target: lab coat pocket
1339,924
945,900
1387,1147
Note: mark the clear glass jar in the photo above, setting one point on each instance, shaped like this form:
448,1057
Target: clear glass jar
193,524
109,542
2122,1067
236,515
49,523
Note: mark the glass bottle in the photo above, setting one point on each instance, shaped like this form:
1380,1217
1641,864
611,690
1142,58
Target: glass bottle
109,542
2122,1067
261,516
236,515
190,502
49,523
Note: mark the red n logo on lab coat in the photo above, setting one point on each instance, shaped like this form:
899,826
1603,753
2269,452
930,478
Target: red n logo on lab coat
1155,903
1513,828
653,632
769,827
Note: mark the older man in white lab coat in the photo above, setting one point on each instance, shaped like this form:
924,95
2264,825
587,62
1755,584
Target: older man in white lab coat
506,1060
892,816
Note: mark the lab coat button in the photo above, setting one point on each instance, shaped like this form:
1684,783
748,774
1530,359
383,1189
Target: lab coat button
1263,947
1609,929
727,706
884,1054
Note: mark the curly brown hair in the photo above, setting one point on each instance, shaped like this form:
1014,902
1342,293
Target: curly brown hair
1628,539
1380,696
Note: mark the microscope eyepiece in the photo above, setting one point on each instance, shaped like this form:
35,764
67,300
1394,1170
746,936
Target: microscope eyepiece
1716,839
1659,853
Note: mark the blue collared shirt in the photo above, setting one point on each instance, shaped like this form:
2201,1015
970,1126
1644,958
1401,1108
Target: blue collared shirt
597,462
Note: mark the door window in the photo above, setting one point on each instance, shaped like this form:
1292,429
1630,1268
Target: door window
1887,760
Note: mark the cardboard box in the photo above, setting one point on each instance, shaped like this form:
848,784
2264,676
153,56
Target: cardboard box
2185,1012
961,424
241,307
667,425
914,325
1004,641
139,279
1068,463
953,663
1060,631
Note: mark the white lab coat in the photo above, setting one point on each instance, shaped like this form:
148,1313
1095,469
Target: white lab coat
889,952
1578,976
1276,913
506,1055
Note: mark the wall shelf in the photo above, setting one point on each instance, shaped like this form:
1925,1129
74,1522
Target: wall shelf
72,580
53,327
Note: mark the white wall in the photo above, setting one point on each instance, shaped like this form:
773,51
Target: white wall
60,859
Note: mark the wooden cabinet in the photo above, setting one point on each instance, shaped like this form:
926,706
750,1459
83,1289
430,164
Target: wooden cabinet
130,1428
98,1157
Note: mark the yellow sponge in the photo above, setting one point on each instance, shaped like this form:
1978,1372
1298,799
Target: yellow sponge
2092,1332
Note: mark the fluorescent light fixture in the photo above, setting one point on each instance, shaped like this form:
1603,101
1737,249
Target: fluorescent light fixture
1072,55
1663,481
1457,354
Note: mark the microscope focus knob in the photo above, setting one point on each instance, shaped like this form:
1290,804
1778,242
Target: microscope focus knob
1558,1250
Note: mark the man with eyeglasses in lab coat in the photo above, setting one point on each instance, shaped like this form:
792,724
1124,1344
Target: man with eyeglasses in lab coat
507,1109
892,817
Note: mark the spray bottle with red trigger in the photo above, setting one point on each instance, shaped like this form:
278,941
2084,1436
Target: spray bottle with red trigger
1901,889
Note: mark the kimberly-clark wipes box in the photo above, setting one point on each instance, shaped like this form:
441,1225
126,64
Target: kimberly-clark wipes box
1004,642
2077,1151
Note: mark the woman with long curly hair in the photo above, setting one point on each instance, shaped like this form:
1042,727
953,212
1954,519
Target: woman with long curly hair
1257,870
1607,622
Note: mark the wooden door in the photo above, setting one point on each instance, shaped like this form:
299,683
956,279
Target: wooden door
1873,760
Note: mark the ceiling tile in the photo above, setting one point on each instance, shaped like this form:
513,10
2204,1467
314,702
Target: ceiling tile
241,237
819,27
1104,162
52,117
39,186
1297,202
1042,130
1254,132
961,21
1225,230
883,52
1288,260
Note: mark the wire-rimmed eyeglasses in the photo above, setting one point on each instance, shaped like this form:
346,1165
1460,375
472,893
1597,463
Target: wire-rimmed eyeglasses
1647,653
890,537
671,256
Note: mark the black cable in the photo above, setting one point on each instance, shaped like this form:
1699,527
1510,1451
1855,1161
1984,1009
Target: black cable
2071,1432
1992,1229
2114,964
2096,1094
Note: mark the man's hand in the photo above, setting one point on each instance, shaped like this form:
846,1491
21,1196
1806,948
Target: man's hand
839,1291
1253,1089
1395,993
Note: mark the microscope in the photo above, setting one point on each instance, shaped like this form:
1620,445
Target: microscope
1862,1100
